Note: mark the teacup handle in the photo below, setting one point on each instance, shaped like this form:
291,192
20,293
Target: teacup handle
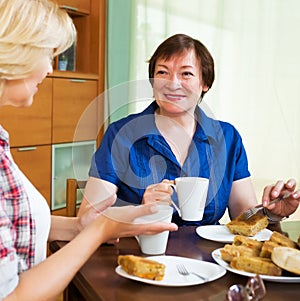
173,186
174,205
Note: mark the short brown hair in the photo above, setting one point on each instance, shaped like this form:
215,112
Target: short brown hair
178,43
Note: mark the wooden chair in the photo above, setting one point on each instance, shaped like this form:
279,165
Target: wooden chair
72,185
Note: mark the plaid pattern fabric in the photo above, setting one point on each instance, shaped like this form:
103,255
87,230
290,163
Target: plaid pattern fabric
17,229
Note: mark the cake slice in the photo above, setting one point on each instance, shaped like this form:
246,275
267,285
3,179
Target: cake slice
228,252
256,265
142,267
248,227
267,248
240,240
282,240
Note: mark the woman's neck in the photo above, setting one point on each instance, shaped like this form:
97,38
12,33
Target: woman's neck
186,121
178,131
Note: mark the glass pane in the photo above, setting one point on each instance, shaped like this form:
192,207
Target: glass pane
69,160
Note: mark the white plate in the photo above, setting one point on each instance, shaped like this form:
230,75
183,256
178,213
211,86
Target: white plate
209,270
216,254
220,233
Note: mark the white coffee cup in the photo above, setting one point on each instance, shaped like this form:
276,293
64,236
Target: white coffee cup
191,193
157,243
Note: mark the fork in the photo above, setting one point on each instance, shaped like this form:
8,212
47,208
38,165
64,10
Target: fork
252,211
183,271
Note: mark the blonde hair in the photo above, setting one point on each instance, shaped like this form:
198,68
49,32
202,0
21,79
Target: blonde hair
30,29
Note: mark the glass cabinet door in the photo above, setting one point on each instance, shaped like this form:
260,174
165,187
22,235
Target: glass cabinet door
69,160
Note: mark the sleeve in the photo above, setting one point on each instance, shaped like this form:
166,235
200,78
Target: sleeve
8,258
240,156
102,165
8,276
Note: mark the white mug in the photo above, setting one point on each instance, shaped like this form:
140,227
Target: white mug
157,243
191,193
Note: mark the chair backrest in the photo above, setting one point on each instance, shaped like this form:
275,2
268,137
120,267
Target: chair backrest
72,185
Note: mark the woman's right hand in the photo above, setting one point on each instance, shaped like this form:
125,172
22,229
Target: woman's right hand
160,192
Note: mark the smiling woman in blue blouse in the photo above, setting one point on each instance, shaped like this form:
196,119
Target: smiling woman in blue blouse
173,137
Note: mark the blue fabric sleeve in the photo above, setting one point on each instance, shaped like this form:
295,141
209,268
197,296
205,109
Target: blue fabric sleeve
102,164
239,156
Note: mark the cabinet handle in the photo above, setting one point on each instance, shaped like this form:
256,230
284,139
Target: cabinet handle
69,7
73,80
25,149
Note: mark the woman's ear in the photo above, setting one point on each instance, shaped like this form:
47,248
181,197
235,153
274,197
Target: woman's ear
205,88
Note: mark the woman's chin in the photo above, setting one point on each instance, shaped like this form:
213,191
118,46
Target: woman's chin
26,102
172,109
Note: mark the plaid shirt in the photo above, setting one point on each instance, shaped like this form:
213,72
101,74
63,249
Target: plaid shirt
17,229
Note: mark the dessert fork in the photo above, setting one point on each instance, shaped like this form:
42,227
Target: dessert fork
252,211
183,271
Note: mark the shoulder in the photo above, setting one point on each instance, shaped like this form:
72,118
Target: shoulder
218,129
229,130
123,121
133,122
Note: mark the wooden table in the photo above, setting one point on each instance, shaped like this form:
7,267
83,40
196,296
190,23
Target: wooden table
97,279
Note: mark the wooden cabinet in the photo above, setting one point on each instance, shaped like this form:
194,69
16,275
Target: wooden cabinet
76,5
73,120
35,163
89,17
65,100
32,125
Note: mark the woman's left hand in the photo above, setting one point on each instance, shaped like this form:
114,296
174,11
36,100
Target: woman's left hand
121,222
94,211
288,205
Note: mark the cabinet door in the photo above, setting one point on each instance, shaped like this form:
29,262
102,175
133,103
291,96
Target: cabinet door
74,110
80,5
35,163
32,125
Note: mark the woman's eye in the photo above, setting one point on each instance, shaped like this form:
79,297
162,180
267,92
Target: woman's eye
187,74
159,72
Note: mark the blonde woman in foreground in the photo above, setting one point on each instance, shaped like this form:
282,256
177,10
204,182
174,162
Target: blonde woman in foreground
30,32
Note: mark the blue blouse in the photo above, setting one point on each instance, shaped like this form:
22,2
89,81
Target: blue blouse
133,155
